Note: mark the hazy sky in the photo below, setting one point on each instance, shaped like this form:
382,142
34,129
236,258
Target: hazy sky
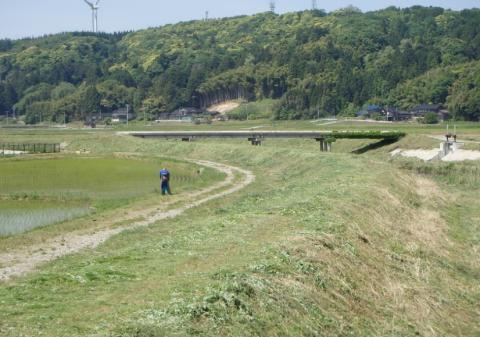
24,18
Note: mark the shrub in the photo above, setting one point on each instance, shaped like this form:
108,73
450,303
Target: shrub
430,118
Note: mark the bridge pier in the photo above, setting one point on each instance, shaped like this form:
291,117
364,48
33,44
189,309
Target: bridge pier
324,138
325,144
256,141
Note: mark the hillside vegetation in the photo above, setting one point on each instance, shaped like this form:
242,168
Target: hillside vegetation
309,61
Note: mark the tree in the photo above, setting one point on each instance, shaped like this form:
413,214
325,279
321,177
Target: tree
152,107
63,89
307,60
114,95
90,103
430,118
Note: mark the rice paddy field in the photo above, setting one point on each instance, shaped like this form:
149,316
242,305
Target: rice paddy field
321,244
36,192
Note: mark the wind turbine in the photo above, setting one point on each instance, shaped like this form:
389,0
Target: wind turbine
94,8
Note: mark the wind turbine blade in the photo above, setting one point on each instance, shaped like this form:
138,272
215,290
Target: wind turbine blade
89,3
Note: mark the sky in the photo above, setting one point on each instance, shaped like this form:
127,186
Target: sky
30,18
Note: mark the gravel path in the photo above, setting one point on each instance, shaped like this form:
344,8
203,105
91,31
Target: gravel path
25,260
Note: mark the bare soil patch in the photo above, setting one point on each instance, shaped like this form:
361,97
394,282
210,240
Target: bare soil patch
224,107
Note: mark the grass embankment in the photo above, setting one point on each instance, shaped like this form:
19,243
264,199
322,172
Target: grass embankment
322,244
43,191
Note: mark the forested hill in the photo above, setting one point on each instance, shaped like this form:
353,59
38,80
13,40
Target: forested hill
307,60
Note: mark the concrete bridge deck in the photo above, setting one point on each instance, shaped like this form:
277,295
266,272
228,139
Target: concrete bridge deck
360,134
256,136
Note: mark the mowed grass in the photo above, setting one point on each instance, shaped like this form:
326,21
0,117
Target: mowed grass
40,192
240,265
321,245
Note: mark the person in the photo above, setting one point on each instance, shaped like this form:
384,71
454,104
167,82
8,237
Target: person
165,181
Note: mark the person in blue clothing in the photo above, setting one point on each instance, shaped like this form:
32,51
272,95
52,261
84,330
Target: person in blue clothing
165,181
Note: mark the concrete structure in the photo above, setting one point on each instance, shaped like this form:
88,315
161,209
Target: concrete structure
449,146
325,138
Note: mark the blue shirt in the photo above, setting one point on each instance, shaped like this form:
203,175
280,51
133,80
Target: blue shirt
165,173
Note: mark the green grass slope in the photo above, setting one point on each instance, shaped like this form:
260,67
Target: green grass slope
320,245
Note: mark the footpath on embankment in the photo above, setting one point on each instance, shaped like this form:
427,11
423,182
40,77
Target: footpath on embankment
26,259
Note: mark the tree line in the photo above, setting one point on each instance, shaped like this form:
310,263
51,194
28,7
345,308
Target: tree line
309,61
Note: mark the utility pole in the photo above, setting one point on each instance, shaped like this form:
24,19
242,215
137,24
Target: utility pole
206,16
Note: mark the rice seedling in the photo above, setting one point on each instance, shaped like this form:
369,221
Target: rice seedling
97,182
33,214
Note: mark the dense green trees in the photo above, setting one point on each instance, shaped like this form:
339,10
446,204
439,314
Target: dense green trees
90,101
464,99
311,62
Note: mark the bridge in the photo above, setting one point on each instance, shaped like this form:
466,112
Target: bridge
325,138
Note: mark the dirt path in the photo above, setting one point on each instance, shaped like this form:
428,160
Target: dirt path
25,260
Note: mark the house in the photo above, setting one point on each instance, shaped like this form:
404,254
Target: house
371,111
422,109
121,115
184,113
393,114
444,115
181,114
403,115
373,108
362,113
221,118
